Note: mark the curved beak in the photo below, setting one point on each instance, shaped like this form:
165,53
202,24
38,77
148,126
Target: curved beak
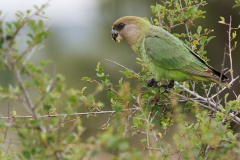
114,34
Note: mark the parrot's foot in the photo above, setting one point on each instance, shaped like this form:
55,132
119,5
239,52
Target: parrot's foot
153,83
167,87
171,84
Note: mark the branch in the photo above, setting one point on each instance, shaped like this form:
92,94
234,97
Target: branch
213,106
230,83
130,70
73,114
230,46
109,118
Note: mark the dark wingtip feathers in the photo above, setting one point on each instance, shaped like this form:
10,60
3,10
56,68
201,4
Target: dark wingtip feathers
223,77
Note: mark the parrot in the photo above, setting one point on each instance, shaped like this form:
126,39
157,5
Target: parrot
165,55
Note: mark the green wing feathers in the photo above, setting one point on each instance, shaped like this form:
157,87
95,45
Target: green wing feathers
170,53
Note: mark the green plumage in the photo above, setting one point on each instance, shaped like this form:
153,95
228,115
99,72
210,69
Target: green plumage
164,54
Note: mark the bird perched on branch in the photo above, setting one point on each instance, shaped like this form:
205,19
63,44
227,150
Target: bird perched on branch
164,54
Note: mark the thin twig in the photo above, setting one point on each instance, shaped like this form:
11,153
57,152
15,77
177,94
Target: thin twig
7,150
235,118
230,46
230,83
109,118
73,114
122,66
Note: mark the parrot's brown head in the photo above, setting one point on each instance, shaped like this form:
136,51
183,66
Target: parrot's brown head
130,28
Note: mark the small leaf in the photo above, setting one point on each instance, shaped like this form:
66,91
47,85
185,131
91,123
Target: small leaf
144,141
28,11
110,95
32,25
46,107
234,34
195,42
227,109
203,40
14,113
98,66
196,126
86,79
117,107
199,29
139,59
26,154
160,135
236,5
225,97
162,90
83,89
210,38
137,122
222,21
40,24
153,8
2,123
120,81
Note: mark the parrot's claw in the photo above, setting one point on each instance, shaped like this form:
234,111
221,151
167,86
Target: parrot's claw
167,87
171,84
153,83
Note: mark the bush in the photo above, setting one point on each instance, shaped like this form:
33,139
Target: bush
191,121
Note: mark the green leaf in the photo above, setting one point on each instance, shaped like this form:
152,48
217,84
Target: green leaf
153,8
227,109
98,66
21,135
120,81
28,11
32,25
222,21
199,29
162,90
34,122
26,154
117,107
210,38
86,79
225,97
2,123
137,122
100,74
203,40
236,5
47,107
234,34
110,95
40,24
144,141
39,149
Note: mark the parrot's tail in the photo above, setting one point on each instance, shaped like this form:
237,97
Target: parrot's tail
221,78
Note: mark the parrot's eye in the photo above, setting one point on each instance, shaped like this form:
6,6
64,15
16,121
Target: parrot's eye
120,26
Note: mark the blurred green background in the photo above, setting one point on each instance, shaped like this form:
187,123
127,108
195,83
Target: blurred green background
80,34
81,37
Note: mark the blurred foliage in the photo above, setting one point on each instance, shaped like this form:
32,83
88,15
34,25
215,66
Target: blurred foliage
237,4
158,120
